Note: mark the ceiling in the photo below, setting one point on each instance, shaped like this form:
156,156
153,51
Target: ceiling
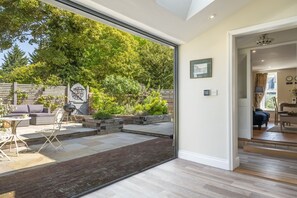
280,54
178,21
274,58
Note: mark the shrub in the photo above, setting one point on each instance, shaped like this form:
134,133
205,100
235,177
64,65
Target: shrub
125,90
102,115
153,104
102,103
51,102
21,95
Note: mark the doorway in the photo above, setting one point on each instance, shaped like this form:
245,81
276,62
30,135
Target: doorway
234,114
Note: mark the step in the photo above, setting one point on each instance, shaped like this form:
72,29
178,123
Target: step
147,133
268,143
275,152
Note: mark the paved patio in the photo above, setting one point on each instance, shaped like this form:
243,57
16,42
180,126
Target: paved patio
82,142
30,133
73,148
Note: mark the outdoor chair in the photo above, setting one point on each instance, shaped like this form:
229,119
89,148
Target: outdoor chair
4,137
51,134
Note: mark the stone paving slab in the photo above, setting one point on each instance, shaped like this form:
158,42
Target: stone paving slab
158,129
67,128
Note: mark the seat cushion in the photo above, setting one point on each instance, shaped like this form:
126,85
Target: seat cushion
41,115
20,109
35,108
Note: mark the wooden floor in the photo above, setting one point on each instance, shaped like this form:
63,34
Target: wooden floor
263,134
180,178
274,168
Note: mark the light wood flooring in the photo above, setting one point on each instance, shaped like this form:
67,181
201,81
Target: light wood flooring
263,134
181,178
274,168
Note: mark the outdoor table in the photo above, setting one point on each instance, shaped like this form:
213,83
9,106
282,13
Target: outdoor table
14,122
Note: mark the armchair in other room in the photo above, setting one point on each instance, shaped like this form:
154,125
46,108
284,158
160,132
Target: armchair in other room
260,117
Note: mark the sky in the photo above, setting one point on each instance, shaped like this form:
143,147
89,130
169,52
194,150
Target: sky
26,47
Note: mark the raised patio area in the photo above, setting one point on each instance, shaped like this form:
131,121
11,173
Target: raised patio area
84,163
77,141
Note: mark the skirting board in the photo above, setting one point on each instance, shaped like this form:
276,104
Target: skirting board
204,159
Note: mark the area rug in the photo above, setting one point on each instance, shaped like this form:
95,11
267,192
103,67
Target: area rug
70,178
287,129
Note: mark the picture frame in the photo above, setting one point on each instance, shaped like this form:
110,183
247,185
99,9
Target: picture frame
201,68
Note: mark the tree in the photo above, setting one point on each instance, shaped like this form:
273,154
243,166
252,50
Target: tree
157,61
77,49
14,58
35,73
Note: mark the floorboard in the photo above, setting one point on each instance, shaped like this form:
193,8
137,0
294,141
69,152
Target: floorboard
274,168
263,134
181,178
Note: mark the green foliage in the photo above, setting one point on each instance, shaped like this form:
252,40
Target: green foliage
125,90
32,74
72,48
14,58
51,102
21,95
101,102
102,115
157,61
153,104
4,108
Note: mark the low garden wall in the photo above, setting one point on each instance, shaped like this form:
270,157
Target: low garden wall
143,120
104,126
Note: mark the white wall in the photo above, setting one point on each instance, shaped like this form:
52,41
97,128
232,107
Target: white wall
203,127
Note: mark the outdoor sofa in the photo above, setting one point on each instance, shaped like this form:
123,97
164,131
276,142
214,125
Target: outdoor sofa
39,115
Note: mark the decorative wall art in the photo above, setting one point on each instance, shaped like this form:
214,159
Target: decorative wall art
201,68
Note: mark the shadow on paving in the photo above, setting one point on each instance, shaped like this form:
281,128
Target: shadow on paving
69,178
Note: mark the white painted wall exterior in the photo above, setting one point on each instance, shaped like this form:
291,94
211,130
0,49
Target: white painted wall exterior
203,124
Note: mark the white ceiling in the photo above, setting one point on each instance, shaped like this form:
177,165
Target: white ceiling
274,58
175,20
280,54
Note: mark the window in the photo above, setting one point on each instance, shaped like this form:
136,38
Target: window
270,91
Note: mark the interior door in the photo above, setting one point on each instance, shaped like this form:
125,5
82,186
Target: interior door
244,95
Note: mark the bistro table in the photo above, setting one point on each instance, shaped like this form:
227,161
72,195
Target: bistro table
14,122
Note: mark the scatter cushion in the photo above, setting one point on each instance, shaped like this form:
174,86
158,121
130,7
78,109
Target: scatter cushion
35,108
20,109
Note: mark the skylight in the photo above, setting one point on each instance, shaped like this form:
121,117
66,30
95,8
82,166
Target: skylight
184,9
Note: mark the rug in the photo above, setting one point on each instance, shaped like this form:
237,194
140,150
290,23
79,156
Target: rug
287,129
70,178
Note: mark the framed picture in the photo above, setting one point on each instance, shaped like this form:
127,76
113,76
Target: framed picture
201,68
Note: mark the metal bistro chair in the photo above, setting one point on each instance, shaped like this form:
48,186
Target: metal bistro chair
51,134
4,137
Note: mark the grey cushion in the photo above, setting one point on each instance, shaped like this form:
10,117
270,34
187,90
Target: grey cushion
41,115
20,109
35,108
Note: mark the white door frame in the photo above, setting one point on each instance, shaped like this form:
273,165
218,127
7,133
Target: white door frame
232,140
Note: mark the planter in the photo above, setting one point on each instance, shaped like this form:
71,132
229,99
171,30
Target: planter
143,120
104,126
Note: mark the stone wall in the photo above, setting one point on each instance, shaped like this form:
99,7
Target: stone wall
104,126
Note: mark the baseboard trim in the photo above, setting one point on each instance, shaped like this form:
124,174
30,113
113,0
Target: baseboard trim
204,159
